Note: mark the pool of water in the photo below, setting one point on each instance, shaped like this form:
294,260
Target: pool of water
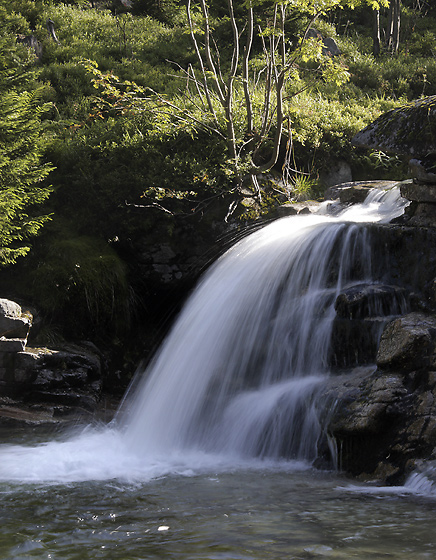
252,512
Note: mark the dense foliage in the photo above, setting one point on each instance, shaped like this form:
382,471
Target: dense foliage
114,107
21,146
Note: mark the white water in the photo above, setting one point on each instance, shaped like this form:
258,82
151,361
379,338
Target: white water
240,376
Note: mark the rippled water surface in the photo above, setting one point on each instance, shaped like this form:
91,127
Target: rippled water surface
272,512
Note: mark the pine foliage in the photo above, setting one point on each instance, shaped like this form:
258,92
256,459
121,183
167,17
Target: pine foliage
21,144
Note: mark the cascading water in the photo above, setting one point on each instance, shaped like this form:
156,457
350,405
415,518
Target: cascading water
242,372
242,369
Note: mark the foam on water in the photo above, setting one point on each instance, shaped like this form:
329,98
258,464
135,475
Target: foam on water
102,454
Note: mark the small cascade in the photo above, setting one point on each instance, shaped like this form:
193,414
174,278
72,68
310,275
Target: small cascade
423,480
242,371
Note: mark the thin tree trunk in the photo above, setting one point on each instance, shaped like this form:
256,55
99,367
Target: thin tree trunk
376,33
396,26
393,28
247,52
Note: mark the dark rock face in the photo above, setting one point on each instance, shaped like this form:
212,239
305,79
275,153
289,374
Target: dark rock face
370,300
48,382
384,419
408,343
361,312
384,423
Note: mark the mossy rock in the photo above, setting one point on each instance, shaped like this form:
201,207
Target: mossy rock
408,130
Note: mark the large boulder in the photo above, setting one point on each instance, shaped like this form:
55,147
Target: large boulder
409,130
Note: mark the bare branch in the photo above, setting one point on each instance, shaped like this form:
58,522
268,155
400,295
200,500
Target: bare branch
208,53
247,52
153,205
200,60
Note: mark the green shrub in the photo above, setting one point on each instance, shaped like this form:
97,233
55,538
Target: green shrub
80,286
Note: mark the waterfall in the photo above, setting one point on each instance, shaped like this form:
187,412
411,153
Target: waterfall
242,372
243,369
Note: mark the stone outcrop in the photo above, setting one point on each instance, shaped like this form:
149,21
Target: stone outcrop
44,384
408,343
383,417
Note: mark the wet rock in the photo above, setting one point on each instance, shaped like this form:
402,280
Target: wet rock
362,310
370,424
384,420
370,300
294,208
355,192
354,342
408,343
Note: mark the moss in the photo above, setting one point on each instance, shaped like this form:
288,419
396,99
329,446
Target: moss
409,129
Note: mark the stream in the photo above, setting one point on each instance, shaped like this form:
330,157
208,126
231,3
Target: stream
252,511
